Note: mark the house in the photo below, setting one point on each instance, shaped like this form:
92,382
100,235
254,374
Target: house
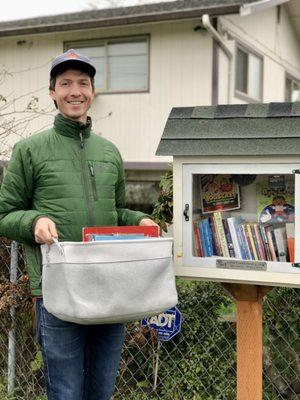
151,58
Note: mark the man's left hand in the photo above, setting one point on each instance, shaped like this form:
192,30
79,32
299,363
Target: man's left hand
147,222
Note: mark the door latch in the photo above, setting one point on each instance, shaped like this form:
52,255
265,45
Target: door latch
186,212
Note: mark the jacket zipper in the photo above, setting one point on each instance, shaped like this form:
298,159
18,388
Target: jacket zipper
84,178
92,172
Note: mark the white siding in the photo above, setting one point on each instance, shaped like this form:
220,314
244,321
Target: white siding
276,42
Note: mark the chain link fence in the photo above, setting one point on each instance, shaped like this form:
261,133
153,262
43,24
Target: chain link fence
197,364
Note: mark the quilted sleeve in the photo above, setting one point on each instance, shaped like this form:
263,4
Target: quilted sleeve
16,215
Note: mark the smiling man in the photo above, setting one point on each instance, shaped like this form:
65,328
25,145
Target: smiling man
57,182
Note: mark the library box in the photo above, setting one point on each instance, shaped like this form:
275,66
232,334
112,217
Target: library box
236,192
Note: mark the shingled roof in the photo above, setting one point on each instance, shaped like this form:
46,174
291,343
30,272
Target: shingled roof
164,11
242,129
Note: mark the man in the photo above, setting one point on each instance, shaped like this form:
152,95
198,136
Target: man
57,182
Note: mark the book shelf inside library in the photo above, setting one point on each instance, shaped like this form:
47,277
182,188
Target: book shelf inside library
246,217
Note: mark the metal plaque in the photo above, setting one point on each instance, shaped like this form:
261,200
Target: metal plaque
241,264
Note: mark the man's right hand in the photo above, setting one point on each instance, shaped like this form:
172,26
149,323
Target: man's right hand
45,230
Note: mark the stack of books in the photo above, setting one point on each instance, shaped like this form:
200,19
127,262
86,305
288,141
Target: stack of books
235,237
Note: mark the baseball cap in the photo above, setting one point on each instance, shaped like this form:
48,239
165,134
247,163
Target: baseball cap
72,59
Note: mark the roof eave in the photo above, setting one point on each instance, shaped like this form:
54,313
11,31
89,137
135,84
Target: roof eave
119,21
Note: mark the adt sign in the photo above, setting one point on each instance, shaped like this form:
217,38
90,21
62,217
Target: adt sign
167,324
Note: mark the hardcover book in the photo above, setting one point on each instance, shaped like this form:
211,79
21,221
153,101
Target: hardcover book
88,233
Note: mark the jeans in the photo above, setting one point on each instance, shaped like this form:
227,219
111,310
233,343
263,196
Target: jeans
81,361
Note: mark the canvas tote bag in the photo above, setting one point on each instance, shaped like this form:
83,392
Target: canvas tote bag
108,281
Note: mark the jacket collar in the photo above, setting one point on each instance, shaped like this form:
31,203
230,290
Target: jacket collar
67,127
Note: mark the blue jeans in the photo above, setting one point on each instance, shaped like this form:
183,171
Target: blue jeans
81,361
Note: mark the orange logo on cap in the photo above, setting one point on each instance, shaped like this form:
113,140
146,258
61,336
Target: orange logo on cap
72,55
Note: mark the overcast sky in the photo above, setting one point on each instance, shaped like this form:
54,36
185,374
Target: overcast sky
20,9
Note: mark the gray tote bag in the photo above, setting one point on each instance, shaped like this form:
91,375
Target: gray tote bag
108,281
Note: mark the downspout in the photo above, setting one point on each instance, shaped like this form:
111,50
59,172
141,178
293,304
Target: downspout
221,42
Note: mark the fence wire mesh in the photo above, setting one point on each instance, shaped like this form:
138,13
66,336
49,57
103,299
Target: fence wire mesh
197,364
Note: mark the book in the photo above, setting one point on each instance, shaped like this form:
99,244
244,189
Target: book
290,233
259,242
148,231
219,193
198,245
233,225
265,243
251,241
281,243
246,243
228,238
270,243
275,200
123,236
221,233
208,237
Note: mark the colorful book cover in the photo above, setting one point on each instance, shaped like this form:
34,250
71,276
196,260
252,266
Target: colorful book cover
275,203
221,233
87,232
219,193
290,233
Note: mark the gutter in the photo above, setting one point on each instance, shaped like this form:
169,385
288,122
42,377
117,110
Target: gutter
258,6
120,17
221,42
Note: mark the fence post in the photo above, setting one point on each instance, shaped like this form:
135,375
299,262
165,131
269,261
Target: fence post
12,331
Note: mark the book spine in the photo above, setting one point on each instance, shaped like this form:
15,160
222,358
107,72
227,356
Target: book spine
216,237
203,239
270,243
251,242
258,240
249,255
208,237
265,243
290,232
221,234
281,243
228,238
197,239
234,237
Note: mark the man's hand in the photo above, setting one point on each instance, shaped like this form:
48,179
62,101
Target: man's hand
147,222
45,230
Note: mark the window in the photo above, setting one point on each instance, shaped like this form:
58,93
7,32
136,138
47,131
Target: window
292,89
248,77
121,64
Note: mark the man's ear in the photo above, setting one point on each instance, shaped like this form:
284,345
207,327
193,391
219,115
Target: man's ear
52,94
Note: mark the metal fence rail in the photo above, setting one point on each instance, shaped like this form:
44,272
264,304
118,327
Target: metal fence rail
197,364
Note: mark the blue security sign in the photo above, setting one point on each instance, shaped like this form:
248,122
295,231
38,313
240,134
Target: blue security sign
166,324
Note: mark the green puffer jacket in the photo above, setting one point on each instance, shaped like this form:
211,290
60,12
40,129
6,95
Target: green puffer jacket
68,174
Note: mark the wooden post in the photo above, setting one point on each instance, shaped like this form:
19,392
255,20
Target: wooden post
249,331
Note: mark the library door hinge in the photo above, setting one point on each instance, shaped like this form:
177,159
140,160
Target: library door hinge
186,212
296,171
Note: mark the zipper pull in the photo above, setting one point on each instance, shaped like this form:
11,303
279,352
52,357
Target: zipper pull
91,168
81,140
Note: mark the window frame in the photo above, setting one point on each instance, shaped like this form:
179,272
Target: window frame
293,80
237,93
104,42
